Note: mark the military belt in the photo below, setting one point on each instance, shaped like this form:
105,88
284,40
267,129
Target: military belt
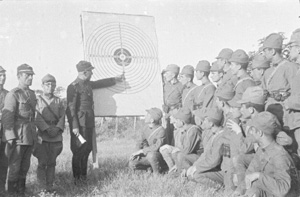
53,122
29,119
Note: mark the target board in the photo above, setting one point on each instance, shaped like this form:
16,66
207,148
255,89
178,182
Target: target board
118,44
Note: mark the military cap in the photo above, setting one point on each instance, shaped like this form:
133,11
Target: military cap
188,69
48,78
225,93
295,37
173,68
2,70
215,67
260,61
25,68
254,94
214,115
225,54
155,113
203,66
84,66
266,122
183,114
239,56
273,41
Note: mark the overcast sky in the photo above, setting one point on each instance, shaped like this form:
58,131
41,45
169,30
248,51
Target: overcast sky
47,35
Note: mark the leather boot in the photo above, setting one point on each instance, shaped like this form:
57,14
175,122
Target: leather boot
12,187
21,187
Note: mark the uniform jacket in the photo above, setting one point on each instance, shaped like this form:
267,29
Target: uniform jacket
278,175
211,157
46,119
173,94
228,80
191,139
80,103
241,85
3,94
18,116
188,96
203,95
281,79
293,103
152,139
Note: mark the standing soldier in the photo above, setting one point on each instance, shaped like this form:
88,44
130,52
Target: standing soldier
277,79
292,104
258,68
19,130
204,93
239,63
186,79
80,113
50,121
172,98
224,64
3,157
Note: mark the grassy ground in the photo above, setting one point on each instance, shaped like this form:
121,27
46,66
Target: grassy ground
113,178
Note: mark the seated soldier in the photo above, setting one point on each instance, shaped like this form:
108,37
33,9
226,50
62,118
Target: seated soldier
272,171
169,152
190,138
242,144
208,164
186,152
152,138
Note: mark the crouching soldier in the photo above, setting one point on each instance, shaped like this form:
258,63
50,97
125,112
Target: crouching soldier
272,171
50,121
152,138
19,130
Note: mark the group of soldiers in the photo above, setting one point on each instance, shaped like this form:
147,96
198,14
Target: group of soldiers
33,124
239,128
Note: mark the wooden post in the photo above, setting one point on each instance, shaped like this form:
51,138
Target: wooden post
134,123
117,127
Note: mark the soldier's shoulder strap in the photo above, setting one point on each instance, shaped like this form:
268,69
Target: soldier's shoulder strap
15,90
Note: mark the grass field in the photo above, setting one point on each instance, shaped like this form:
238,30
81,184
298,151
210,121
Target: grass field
113,178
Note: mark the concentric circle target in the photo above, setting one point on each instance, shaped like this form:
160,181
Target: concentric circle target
116,48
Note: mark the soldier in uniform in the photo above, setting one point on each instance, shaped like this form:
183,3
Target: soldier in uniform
186,79
258,68
272,171
224,64
204,93
278,78
292,103
19,130
50,121
3,157
210,160
80,114
152,138
239,63
172,98
190,138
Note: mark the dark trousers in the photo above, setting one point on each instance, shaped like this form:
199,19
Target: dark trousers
3,166
18,161
46,153
152,159
81,152
169,132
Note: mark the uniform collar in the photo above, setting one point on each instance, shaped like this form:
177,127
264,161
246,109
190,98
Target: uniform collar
278,61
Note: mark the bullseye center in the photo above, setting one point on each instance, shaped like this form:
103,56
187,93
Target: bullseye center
122,57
